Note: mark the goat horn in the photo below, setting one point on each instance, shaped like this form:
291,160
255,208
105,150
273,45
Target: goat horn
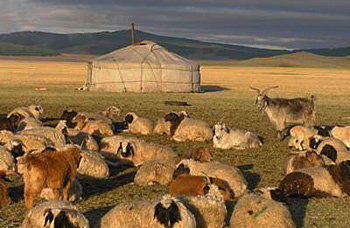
267,89
255,89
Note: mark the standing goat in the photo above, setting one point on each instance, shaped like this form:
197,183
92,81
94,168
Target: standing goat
283,112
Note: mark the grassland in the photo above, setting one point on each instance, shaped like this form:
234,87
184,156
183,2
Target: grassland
227,96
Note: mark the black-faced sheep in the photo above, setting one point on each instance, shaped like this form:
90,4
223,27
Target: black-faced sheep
254,211
54,213
187,129
232,175
165,213
109,145
227,138
304,160
332,180
138,152
10,123
138,125
33,111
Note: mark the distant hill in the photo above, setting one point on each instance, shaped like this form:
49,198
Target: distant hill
15,49
103,42
341,52
299,59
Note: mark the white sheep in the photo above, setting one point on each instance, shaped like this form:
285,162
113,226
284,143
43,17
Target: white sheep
165,213
28,123
254,211
138,152
209,210
82,138
7,161
94,126
227,138
300,136
184,128
75,192
232,175
55,213
56,135
92,165
332,180
138,125
162,127
33,111
342,133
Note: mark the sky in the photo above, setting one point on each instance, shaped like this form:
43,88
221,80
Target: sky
277,24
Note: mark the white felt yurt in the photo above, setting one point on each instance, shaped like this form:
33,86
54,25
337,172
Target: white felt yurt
143,67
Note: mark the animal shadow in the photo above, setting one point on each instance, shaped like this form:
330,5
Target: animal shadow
212,88
252,178
94,216
297,207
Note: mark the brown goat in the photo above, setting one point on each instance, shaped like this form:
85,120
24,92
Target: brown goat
283,112
49,169
191,185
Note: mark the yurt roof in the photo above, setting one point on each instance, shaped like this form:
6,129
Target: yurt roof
145,53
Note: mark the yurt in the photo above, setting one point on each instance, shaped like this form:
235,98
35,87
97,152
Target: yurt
144,67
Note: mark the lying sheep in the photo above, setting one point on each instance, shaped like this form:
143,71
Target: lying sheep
191,185
304,160
33,111
342,133
330,148
56,135
53,169
187,129
209,209
138,152
332,180
54,213
162,127
253,211
28,123
7,161
109,145
93,127
232,175
4,197
111,112
138,125
30,143
165,213
82,138
92,165
10,123
227,138
75,192
161,171
300,136
68,116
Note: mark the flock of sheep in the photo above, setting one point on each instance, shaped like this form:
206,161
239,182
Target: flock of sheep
53,161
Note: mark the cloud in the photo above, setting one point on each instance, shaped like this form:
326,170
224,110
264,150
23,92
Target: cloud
289,24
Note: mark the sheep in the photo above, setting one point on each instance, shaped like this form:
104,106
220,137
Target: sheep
10,123
92,165
68,115
138,152
138,125
56,214
232,175
4,197
162,127
33,111
7,161
282,112
342,133
111,112
300,136
56,135
161,171
330,148
82,138
30,143
75,192
332,180
191,185
165,213
109,145
184,128
52,169
93,127
252,211
28,123
304,160
227,138
272,193
209,209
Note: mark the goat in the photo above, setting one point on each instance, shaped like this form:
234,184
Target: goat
283,112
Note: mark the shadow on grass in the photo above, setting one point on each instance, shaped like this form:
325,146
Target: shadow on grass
16,193
253,179
297,207
212,88
94,216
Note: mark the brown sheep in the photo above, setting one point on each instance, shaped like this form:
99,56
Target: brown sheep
304,160
50,169
97,127
190,185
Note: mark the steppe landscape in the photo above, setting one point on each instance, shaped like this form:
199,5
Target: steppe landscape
226,96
